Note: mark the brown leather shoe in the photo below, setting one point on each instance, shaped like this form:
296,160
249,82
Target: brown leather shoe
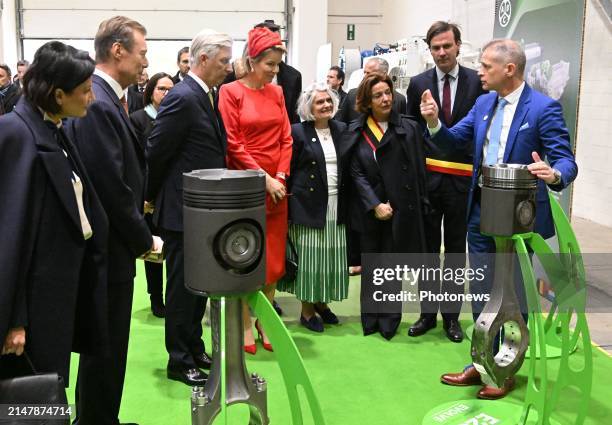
492,393
469,376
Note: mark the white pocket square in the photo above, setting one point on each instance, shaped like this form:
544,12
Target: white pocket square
524,126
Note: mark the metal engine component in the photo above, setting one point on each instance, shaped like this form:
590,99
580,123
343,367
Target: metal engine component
508,207
240,387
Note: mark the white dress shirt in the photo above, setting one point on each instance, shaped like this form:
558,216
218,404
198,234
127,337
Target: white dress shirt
199,81
111,82
453,74
509,111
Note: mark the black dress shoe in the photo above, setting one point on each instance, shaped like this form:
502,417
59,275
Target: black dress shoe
369,323
453,330
157,306
203,361
327,315
277,308
387,334
421,326
314,323
190,377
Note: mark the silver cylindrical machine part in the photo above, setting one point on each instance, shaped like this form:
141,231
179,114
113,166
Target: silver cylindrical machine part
508,200
224,228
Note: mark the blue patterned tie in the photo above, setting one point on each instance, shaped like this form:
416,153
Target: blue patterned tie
496,128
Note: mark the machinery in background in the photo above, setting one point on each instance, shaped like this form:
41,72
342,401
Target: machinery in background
407,58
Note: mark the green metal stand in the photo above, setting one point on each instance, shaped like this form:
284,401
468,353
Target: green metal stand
565,327
229,382
567,277
289,359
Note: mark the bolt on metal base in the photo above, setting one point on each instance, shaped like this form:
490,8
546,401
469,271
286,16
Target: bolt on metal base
229,382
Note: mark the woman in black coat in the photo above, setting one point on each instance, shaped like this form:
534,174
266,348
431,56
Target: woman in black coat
143,119
389,197
54,230
317,207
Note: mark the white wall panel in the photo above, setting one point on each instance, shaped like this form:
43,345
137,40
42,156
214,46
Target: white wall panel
160,25
309,34
593,186
228,5
367,17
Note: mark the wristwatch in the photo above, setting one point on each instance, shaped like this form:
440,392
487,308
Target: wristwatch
557,174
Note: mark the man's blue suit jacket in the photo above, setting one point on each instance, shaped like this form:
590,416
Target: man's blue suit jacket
538,125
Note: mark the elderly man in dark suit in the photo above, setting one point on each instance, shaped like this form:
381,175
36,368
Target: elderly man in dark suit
188,135
348,113
455,89
115,162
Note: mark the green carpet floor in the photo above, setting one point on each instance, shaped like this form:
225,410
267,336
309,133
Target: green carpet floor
359,380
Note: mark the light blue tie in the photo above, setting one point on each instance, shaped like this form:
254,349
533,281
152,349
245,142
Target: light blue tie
496,128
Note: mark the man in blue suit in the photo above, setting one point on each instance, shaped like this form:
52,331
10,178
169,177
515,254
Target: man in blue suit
188,135
514,124
114,160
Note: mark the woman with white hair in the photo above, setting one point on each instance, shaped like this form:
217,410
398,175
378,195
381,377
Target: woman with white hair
319,167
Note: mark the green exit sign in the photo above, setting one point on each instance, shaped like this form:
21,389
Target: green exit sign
350,31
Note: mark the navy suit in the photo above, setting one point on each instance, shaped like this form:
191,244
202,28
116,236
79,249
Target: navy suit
448,193
188,135
135,99
290,80
537,126
114,160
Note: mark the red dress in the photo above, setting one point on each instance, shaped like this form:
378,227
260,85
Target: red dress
259,137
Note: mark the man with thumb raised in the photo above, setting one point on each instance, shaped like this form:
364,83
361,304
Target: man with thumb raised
513,124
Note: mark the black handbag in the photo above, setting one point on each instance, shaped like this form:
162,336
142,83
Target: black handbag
291,261
18,394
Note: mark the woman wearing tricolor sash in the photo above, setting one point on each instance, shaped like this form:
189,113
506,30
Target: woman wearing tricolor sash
389,198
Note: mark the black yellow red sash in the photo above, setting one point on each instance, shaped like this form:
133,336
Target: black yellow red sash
372,133
447,167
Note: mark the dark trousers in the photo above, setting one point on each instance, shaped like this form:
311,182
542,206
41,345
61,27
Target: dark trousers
154,271
353,246
184,310
449,206
100,381
378,239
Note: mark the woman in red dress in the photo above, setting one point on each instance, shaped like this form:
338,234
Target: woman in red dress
259,138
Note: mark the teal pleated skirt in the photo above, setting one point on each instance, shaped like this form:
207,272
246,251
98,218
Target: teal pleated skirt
322,274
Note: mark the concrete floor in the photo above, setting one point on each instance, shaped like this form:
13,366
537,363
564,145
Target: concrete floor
596,243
